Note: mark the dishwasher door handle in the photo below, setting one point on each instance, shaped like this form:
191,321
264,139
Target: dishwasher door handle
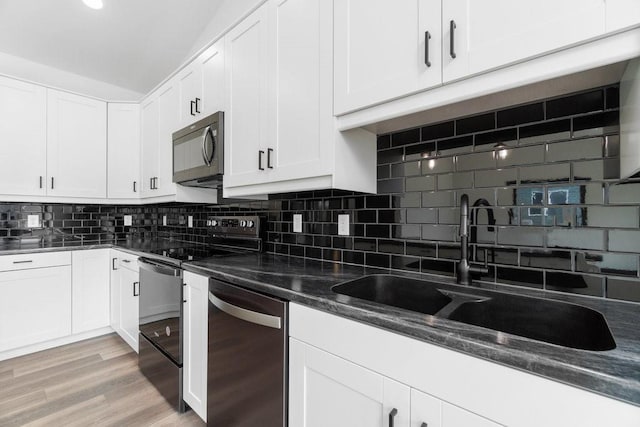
246,315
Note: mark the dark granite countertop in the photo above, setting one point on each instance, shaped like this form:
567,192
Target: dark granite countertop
614,373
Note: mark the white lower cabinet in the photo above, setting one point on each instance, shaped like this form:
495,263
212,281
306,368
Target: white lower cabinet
346,373
35,303
125,287
90,289
195,336
325,390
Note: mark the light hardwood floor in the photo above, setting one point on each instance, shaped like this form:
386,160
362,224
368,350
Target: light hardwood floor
90,383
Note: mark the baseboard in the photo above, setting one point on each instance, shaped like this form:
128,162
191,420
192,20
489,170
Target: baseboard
10,354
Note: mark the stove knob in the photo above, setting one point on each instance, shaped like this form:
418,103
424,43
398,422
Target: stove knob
243,223
214,223
250,224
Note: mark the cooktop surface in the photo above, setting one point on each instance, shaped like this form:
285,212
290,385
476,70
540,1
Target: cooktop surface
194,253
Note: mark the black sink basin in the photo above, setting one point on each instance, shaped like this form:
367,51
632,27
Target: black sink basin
554,322
415,295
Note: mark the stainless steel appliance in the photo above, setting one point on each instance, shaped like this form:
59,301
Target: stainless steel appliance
160,342
161,298
247,363
198,152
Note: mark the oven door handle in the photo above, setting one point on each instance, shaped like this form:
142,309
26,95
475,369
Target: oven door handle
246,315
159,268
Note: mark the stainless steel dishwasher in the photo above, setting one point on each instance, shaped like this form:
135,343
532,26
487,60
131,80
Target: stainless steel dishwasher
247,363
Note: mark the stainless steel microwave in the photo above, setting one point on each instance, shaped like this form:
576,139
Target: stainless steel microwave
198,152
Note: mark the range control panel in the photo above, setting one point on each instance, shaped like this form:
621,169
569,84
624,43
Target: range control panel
245,226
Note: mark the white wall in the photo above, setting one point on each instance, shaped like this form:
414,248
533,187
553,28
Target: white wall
24,69
228,14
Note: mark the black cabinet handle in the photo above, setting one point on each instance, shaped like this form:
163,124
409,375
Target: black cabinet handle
134,187
113,263
40,181
193,104
198,105
452,47
260,153
424,425
269,151
135,294
52,183
427,37
392,415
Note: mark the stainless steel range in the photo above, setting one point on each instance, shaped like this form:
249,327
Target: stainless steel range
161,299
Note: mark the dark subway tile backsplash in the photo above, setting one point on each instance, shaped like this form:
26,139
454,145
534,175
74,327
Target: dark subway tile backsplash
563,220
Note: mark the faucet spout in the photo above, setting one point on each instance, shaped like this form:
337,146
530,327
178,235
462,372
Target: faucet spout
465,269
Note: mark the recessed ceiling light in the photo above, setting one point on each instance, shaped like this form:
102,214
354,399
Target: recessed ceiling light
93,4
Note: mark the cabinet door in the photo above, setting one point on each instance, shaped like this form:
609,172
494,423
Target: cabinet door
168,121
300,119
195,342
381,51
123,151
76,145
129,322
149,149
452,416
212,74
325,390
90,289
35,306
246,99
425,409
492,34
189,82
114,296
23,132
622,14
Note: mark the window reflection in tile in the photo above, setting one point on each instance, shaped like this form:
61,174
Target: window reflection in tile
547,216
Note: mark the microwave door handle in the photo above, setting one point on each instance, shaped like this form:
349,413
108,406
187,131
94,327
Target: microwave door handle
205,155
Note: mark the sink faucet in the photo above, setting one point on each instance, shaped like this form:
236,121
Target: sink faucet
464,266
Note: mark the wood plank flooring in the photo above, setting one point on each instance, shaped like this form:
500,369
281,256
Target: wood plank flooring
90,383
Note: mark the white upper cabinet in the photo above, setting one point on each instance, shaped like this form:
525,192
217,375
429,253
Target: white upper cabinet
159,121
622,14
149,141
280,132
385,49
168,122
123,151
201,85
76,146
479,36
23,132
246,98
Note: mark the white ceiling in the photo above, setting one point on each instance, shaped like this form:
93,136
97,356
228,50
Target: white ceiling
132,44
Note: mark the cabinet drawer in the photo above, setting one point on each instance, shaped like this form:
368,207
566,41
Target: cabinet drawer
125,260
39,260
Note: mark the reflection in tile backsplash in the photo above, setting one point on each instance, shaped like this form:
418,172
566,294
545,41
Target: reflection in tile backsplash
549,170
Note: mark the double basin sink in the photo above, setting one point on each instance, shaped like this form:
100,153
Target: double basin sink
553,322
